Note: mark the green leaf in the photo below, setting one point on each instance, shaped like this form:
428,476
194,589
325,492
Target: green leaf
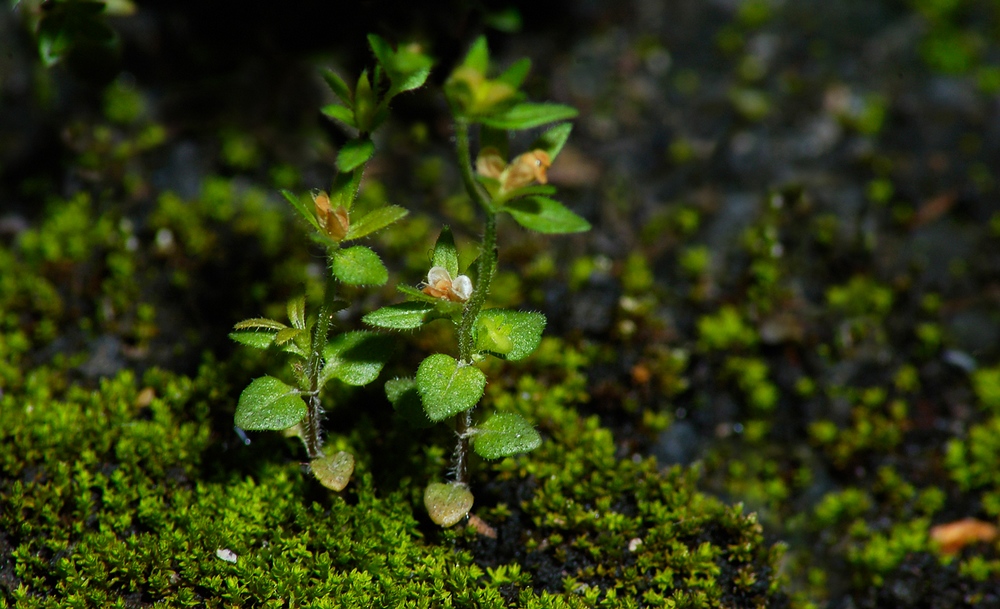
527,115
364,104
356,358
445,252
413,293
503,435
286,335
478,57
512,335
262,323
375,220
407,69
297,312
354,154
447,504
448,387
553,140
339,87
516,73
301,208
267,403
525,191
402,316
359,265
333,471
340,113
405,400
545,215
258,339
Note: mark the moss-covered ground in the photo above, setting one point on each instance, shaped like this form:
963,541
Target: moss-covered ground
770,372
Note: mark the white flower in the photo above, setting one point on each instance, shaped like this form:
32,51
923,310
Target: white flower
441,285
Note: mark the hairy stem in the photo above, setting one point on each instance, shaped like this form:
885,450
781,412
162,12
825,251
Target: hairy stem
485,269
312,432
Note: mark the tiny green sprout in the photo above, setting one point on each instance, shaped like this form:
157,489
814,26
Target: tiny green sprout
449,387
352,358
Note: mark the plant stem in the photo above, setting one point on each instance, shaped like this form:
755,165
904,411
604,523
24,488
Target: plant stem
485,269
313,433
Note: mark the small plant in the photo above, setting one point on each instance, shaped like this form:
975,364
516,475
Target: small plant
356,357
447,388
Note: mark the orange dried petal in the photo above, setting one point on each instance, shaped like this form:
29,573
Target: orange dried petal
953,536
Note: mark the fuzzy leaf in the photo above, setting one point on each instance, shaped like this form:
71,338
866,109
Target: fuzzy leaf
513,335
297,312
375,220
333,471
413,294
359,265
258,339
286,335
406,69
356,358
339,87
545,215
259,323
447,504
405,400
402,316
340,113
301,208
445,252
354,154
268,403
527,115
505,434
448,387
553,140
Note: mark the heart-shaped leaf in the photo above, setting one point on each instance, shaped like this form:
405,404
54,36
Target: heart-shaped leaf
512,335
333,471
448,387
359,265
545,215
268,403
503,435
447,504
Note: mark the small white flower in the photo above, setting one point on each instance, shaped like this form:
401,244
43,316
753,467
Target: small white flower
226,554
441,285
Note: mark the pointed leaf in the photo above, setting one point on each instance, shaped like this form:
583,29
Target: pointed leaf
545,215
301,208
478,57
286,335
268,403
402,316
258,339
364,103
339,87
445,253
356,358
527,115
375,220
333,471
413,293
447,504
512,335
405,400
354,154
503,435
260,323
359,265
340,113
407,69
516,73
297,312
448,387
553,140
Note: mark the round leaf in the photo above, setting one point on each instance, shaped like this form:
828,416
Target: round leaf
447,503
402,393
359,265
512,335
503,435
333,471
447,387
356,358
267,403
